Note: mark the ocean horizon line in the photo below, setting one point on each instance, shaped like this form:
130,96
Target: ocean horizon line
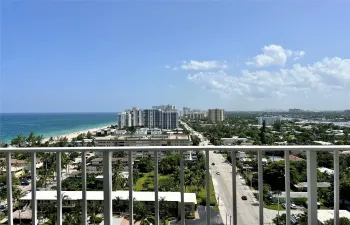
52,112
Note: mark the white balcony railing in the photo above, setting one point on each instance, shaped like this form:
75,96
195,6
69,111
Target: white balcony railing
107,178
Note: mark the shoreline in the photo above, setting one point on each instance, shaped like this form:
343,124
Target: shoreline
72,135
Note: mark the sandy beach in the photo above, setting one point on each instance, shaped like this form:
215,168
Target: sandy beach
70,136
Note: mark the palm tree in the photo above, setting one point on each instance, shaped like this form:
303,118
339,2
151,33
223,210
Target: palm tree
278,193
73,218
141,211
117,178
94,209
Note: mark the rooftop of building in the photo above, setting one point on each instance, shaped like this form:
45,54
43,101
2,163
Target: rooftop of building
144,137
144,196
113,159
324,215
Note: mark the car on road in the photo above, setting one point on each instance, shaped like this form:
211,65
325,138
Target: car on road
218,173
213,164
293,206
244,197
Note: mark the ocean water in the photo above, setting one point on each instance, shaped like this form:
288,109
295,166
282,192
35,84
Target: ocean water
51,124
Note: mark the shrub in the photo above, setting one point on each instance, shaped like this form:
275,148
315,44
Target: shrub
98,219
300,201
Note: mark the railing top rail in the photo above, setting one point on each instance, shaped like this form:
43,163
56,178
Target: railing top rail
180,148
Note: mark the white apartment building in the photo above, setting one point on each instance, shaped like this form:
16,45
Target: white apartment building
132,117
196,115
269,120
146,140
216,115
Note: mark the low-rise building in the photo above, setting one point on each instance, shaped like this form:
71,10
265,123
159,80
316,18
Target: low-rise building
16,171
282,197
146,140
269,120
324,215
23,163
302,186
71,198
233,140
99,161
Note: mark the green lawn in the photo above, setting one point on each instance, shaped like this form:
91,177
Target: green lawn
139,184
274,207
323,207
201,197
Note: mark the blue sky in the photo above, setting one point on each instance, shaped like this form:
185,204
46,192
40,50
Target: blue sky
65,56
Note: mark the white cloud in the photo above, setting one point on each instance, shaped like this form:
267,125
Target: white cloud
203,65
274,55
171,86
167,67
324,77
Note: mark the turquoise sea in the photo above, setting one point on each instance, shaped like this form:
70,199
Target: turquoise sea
51,124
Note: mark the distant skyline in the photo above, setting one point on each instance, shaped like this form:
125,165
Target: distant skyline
107,56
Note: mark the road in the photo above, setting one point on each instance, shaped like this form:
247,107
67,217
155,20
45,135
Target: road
247,213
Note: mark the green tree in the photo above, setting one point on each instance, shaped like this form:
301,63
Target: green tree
93,209
262,133
342,221
279,220
141,211
145,164
89,135
119,182
169,164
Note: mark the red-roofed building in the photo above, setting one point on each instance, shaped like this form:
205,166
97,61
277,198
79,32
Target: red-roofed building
295,158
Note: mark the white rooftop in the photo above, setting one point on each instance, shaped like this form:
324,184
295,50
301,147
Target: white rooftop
326,170
324,215
144,196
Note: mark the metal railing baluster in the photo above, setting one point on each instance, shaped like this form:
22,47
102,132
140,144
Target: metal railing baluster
107,187
207,185
234,187
336,187
261,188
59,187
9,189
287,185
33,183
182,187
312,186
156,189
84,199
131,194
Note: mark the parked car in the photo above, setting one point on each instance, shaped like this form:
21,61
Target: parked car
293,206
3,207
284,205
244,197
218,173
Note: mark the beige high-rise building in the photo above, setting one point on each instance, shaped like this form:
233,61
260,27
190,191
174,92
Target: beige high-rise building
216,115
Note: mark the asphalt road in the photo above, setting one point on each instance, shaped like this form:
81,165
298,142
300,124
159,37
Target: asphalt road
247,211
